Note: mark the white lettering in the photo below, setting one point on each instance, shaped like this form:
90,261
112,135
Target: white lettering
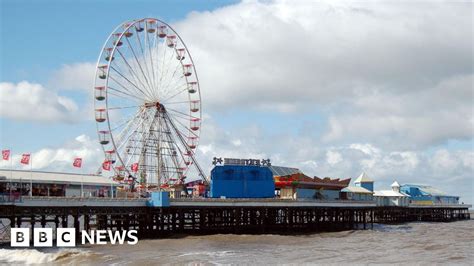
20,237
132,234
66,237
90,238
101,237
43,237
116,235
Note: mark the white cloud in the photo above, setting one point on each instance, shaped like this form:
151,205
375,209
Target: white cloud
32,102
333,157
77,76
444,161
409,120
388,73
286,51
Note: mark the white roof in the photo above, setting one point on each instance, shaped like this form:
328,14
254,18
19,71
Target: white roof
388,193
363,178
395,184
356,190
54,177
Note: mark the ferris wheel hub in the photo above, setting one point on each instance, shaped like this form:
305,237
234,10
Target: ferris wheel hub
158,105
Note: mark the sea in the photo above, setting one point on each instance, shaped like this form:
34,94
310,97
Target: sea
417,243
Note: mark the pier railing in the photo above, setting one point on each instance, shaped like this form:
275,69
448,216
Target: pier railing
10,197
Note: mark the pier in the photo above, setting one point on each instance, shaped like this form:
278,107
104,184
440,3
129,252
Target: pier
212,216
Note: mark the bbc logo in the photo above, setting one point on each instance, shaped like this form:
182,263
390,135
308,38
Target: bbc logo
43,237
66,237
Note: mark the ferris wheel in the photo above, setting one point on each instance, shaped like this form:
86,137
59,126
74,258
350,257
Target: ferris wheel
147,105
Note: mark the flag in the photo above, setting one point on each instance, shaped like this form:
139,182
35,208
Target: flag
135,167
77,162
25,158
106,165
6,154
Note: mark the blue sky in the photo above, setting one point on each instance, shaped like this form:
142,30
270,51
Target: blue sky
39,36
331,88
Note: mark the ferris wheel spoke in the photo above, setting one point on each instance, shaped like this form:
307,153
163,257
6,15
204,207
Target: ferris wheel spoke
133,120
130,69
144,56
180,136
126,122
188,116
176,94
163,59
172,78
132,155
133,84
175,160
156,51
151,58
123,107
168,103
183,126
138,62
173,87
124,94
129,125
128,140
169,79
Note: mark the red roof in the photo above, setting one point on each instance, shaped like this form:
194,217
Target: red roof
303,181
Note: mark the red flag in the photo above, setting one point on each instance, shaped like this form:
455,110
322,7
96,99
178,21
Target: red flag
6,154
25,158
135,167
77,162
106,165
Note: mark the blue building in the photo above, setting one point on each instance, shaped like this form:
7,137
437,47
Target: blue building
242,181
363,189
365,182
427,195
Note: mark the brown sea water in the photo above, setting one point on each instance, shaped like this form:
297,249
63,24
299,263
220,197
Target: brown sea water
411,243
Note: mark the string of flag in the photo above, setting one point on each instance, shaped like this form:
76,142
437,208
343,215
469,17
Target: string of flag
77,162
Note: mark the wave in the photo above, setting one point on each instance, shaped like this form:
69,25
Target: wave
33,256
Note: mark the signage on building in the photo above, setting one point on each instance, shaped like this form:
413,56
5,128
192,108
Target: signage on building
247,162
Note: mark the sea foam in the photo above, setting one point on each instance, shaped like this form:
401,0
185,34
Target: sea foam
33,256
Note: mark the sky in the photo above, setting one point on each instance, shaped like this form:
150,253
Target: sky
333,88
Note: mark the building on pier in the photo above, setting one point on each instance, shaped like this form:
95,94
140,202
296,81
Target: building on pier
363,189
428,195
301,186
241,181
391,197
18,183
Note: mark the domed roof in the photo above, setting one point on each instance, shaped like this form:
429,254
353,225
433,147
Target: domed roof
363,178
395,184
